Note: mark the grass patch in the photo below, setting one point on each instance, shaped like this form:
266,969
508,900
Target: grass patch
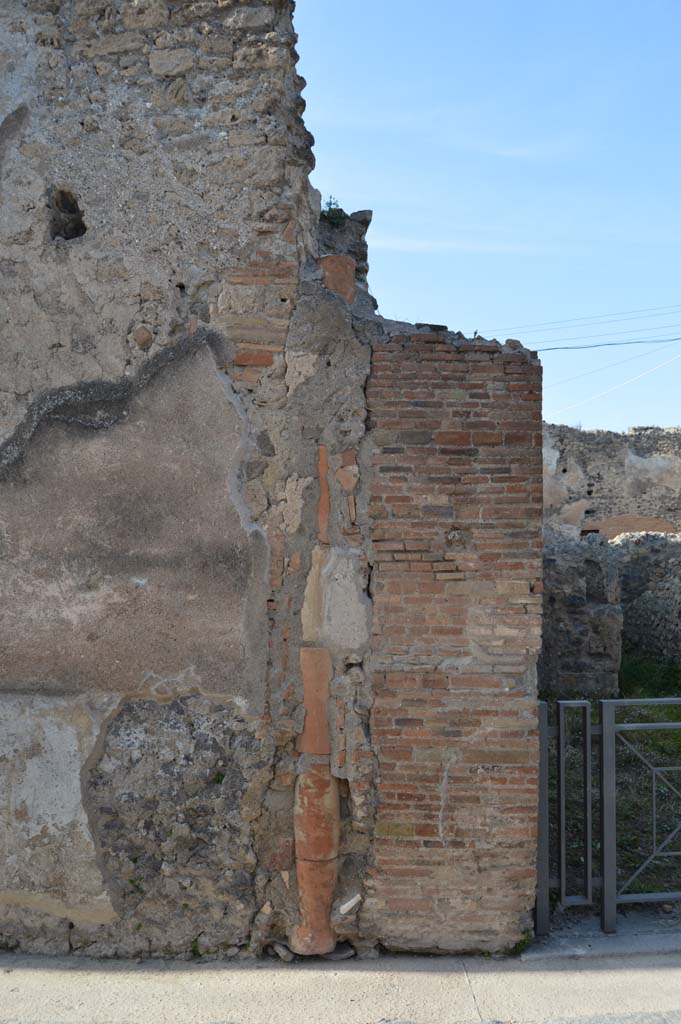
521,945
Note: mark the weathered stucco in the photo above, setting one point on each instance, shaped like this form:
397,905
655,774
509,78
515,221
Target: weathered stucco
138,530
189,522
50,869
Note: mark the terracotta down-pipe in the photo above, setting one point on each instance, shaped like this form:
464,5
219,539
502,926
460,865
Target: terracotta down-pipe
317,833
316,815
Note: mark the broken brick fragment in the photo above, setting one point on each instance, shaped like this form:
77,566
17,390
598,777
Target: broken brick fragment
339,276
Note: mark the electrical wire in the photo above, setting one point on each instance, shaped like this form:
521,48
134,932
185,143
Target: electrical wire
603,322
617,387
616,334
600,369
609,344
581,319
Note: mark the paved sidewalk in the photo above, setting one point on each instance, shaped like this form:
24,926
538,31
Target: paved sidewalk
391,990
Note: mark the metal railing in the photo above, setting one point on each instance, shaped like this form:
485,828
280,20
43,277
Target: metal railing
609,734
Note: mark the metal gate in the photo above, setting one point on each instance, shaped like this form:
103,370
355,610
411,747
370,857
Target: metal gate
583,760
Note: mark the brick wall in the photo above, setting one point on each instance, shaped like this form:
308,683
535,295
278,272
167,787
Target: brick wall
456,529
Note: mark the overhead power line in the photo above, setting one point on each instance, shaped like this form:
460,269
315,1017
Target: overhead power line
615,334
657,310
600,369
602,322
617,387
609,344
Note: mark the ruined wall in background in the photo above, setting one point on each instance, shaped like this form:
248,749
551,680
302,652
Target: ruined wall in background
189,746
582,627
618,584
650,569
613,483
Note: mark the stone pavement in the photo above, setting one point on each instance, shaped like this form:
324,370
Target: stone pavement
635,989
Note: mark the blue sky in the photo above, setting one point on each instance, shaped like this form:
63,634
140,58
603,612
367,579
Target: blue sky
523,162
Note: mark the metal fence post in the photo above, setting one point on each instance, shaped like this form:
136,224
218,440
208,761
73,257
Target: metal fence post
562,809
608,818
543,910
587,799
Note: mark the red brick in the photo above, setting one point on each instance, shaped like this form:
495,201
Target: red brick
456,529
248,357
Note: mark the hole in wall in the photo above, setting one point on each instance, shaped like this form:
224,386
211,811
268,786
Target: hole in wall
66,216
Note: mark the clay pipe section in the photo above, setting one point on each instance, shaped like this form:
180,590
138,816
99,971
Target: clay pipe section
316,818
317,832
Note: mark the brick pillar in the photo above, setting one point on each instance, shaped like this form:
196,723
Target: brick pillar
456,506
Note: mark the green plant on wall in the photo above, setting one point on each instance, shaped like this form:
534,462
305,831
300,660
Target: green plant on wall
333,212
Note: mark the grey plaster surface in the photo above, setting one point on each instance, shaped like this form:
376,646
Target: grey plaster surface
389,990
139,532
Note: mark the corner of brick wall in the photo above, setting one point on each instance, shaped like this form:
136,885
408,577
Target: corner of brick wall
456,502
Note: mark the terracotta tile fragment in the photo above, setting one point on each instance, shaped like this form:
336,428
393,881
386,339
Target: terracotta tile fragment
339,276
347,477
